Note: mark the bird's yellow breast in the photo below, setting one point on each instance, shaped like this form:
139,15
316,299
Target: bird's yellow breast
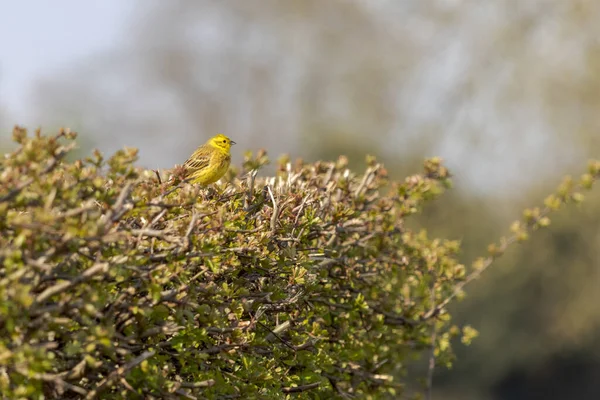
219,164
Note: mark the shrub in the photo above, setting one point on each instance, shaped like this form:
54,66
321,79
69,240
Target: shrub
306,284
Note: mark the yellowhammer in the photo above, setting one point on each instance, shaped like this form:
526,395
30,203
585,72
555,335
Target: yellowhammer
210,161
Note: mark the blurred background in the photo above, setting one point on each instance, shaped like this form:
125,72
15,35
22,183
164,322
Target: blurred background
507,92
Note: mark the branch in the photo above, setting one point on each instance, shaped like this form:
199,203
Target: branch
299,389
532,224
275,211
62,286
51,165
117,373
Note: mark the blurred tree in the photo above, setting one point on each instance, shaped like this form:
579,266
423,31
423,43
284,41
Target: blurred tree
286,71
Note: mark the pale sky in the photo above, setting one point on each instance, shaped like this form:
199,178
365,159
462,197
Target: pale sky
43,40
38,38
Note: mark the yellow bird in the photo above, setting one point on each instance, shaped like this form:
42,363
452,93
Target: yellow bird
210,161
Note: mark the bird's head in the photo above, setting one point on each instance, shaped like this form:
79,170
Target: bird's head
221,142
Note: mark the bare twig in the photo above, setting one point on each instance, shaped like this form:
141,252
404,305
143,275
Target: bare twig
275,211
56,379
471,277
302,388
192,225
366,181
117,373
284,326
333,381
304,199
285,342
158,176
62,286
431,365
250,192
196,385
118,209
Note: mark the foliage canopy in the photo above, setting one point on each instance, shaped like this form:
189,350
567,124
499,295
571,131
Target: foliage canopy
306,284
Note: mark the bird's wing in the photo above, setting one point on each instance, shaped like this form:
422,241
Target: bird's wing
197,161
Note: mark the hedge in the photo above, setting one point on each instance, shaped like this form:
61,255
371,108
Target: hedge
307,284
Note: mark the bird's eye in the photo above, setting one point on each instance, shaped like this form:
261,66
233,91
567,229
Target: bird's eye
224,141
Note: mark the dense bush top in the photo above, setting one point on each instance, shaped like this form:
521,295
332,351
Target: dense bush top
306,284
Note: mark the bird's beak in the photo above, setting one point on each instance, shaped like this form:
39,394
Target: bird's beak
232,142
